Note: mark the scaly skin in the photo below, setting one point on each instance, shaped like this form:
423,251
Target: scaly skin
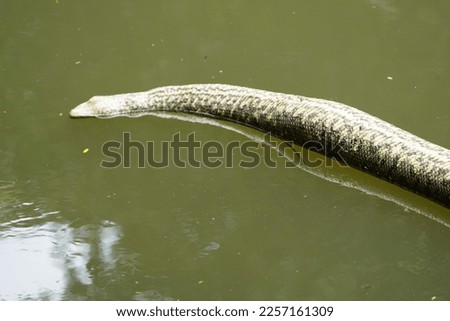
333,129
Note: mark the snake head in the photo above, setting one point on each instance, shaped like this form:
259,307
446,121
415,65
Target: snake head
107,106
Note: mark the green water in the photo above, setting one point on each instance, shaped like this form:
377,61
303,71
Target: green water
72,230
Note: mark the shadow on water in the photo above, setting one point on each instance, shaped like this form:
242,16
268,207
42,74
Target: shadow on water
330,171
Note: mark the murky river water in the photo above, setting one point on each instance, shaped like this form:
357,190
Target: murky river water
73,230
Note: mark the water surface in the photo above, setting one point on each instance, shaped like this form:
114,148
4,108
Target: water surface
72,230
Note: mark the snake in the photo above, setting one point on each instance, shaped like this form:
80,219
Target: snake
333,129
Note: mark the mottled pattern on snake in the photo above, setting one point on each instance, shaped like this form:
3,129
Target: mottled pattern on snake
334,129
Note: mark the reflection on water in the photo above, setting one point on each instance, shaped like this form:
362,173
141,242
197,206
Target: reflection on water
45,258
29,269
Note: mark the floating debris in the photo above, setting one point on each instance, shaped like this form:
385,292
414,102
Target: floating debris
85,150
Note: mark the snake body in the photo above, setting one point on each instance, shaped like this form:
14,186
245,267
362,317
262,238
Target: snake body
330,128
